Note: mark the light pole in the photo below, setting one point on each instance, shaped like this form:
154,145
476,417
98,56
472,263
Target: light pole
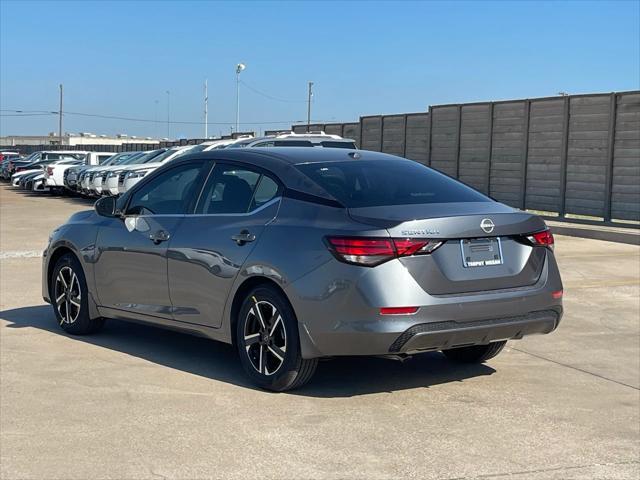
168,117
239,68
310,94
206,110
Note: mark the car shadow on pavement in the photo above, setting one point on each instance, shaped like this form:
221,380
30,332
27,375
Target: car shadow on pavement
338,377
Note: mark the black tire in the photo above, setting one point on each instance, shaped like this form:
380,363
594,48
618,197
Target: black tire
290,370
72,318
476,353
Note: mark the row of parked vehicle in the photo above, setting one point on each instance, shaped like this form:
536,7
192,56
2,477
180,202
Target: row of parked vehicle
96,174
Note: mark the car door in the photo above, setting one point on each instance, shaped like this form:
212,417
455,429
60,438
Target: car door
131,259
211,246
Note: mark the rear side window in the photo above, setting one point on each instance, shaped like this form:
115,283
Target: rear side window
229,190
369,183
292,143
267,190
234,189
330,144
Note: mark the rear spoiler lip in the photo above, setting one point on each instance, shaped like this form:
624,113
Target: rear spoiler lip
459,226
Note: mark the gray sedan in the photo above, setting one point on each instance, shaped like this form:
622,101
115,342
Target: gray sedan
294,254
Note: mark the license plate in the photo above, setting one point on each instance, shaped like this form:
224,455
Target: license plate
481,252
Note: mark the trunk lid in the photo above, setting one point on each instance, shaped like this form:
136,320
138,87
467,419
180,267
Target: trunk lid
453,268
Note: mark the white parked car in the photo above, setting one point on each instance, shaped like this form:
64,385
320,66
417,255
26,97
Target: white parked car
36,173
110,184
54,173
90,173
129,177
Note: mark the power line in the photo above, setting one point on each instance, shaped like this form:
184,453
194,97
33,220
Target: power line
24,114
266,95
143,120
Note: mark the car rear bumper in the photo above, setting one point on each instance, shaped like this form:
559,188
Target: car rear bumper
343,317
450,334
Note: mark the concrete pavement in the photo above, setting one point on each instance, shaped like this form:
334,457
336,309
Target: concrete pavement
137,402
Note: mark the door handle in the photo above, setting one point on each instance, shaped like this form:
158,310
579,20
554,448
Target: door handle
159,236
243,237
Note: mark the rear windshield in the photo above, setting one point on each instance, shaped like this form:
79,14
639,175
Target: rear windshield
370,183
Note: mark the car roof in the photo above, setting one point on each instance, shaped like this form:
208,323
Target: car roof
281,161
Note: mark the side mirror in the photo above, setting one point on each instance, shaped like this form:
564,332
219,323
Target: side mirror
106,207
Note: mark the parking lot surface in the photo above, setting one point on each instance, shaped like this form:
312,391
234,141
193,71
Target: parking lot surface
137,402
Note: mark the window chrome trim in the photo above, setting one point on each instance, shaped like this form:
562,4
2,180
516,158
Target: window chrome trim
262,207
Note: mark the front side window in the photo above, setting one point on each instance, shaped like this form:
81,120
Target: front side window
171,192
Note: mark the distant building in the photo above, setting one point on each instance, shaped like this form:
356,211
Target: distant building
74,139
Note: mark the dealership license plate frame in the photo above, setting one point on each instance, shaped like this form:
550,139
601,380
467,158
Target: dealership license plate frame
481,252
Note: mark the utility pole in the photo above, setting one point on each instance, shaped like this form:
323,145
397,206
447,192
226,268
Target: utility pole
206,112
309,106
156,130
60,117
168,118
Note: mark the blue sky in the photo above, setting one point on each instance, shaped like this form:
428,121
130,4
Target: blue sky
119,58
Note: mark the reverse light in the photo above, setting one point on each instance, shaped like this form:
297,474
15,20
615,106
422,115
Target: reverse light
542,239
370,252
398,310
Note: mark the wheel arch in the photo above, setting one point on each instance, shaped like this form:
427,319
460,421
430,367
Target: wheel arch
53,260
240,294
54,256
307,346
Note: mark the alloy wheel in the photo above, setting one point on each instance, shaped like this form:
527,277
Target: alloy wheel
265,337
67,295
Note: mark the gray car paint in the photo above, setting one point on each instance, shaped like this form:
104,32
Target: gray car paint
190,282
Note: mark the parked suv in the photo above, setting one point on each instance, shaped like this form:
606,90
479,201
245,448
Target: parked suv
294,254
290,139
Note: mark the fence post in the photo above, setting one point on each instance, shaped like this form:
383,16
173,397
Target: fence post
491,106
381,134
361,130
404,144
429,136
563,159
611,136
525,153
458,135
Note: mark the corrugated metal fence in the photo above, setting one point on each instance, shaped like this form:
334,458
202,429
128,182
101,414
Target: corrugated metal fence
573,156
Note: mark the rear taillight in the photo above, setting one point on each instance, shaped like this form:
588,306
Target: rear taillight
542,239
370,252
49,171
